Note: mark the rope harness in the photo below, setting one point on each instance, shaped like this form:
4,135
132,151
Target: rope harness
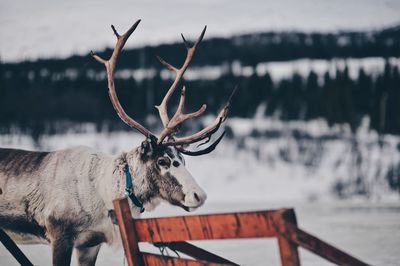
162,246
129,190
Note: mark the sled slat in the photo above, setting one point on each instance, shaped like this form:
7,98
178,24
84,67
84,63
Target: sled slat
198,253
14,249
317,246
128,234
157,260
203,227
288,250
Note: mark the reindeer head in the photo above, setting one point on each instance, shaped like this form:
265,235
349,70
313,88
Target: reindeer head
163,176
159,160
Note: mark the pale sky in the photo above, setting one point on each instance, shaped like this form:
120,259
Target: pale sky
46,28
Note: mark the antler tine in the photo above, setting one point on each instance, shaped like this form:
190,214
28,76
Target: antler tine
162,108
179,117
168,65
206,132
185,42
206,150
196,43
110,68
179,112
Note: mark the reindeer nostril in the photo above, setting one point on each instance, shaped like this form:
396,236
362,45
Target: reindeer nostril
196,196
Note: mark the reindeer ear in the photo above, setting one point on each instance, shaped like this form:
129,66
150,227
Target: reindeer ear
148,147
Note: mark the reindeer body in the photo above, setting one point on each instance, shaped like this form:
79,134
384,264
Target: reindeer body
64,197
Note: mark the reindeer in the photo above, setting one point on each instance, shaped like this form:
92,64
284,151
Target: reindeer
64,198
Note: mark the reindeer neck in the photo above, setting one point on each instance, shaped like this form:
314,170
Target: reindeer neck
141,173
115,180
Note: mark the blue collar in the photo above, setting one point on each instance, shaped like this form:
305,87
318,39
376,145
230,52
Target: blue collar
129,190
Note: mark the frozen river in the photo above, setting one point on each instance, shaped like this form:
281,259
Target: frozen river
371,233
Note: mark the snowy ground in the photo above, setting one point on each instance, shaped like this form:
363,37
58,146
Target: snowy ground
46,28
369,232
271,164
269,160
372,66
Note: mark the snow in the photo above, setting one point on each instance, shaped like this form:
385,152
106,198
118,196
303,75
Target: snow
369,232
45,28
287,164
285,70
269,160
372,66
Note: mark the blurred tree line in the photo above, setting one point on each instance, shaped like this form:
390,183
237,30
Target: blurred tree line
36,94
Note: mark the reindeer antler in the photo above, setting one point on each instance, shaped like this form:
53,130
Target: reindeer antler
206,132
179,117
110,68
170,126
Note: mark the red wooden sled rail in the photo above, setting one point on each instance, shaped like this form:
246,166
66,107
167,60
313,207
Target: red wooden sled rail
175,231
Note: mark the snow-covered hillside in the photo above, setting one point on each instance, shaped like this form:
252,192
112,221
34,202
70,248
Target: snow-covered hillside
266,163
372,66
59,29
270,160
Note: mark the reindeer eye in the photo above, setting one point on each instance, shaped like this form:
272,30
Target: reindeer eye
164,162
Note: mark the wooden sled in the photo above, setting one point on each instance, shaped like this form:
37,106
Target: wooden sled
172,232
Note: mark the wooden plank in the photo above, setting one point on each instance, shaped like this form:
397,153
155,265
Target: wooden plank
288,250
279,223
203,227
158,260
14,249
318,246
198,253
127,231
